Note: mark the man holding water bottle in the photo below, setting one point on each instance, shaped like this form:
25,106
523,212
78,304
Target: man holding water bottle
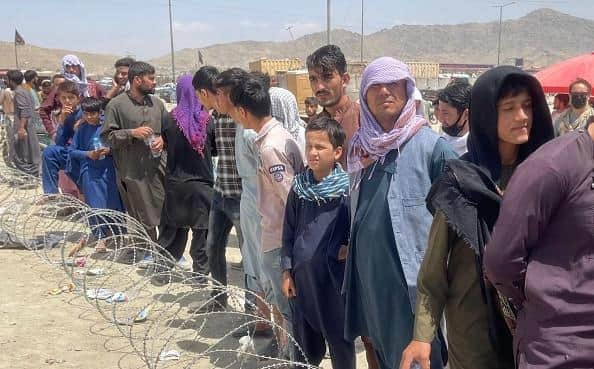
132,128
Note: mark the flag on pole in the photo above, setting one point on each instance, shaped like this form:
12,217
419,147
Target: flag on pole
200,59
18,39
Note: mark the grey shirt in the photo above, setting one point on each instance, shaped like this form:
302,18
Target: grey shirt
132,156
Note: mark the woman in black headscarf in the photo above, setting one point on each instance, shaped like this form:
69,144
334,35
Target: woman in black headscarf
509,119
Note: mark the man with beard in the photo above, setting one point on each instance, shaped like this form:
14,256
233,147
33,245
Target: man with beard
454,101
579,111
329,79
132,128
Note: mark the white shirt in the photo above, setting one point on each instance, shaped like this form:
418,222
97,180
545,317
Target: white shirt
457,143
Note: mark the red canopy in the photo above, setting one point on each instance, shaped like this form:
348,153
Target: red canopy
558,77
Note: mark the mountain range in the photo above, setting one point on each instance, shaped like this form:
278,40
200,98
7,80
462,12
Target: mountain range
541,37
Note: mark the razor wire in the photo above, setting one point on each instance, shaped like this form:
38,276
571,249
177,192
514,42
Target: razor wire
159,309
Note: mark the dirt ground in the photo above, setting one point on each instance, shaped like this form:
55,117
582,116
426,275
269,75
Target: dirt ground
38,330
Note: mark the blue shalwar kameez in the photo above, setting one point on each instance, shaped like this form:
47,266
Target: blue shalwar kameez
97,177
312,236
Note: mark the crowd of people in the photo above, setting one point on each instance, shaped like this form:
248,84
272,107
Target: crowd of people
471,247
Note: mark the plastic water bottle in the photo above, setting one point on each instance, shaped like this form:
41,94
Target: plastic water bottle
150,141
96,143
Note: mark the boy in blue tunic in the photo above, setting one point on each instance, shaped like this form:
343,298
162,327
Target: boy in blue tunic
97,172
315,238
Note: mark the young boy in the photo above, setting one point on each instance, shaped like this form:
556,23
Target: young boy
97,172
55,157
311,107
315,235
279,159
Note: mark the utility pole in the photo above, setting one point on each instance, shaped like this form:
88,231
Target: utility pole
362,8
328,22
290,28
171,37
500,27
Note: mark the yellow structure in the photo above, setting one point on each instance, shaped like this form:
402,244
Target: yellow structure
298,84
271,66
424,69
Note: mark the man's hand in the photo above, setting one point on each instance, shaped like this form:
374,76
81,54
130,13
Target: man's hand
104,151
141,133
343,252
157,145
94,154
77,124
288,286
416,352
21,133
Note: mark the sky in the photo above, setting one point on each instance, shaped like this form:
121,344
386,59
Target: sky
141,27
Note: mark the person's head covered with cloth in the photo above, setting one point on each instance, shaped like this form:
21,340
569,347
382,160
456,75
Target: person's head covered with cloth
74,70
509,119
388,112
190,116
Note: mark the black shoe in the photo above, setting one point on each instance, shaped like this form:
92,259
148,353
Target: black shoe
130,257
270,351
211,307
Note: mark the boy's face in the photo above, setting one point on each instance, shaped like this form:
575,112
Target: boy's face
121,76
68,99
311,110
514,118
321,155
91,117
207,98
223,102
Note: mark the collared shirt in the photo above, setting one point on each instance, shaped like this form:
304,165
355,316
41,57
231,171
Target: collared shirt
279,160
228,181
347,115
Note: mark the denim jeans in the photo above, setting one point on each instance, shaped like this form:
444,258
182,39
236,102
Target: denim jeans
224,214
272,274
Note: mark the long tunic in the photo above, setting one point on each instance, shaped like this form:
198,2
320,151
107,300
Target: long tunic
448,280
97,176
141,176
189,178
26,155
540,254
312,236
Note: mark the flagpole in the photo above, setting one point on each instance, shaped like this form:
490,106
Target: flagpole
16,56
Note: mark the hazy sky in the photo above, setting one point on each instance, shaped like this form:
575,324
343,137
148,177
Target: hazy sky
141,27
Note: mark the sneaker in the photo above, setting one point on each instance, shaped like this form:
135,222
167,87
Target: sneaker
237,266
270,351
251,331
146,262
211,307
183,264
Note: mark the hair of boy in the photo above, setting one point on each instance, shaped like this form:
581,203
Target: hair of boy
68,87
311,101
46,82
91,105
263,77
139,69
56,76
583,82
456,94
513,86
327,59
30,75
334,130
124,62
205,78
252,96
15,76
231,79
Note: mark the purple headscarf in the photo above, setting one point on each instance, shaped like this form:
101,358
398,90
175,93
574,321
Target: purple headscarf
370,141
189,115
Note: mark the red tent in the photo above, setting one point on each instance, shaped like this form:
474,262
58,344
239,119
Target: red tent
558,77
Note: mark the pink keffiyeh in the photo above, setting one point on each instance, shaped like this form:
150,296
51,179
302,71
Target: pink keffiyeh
370,141
191,118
